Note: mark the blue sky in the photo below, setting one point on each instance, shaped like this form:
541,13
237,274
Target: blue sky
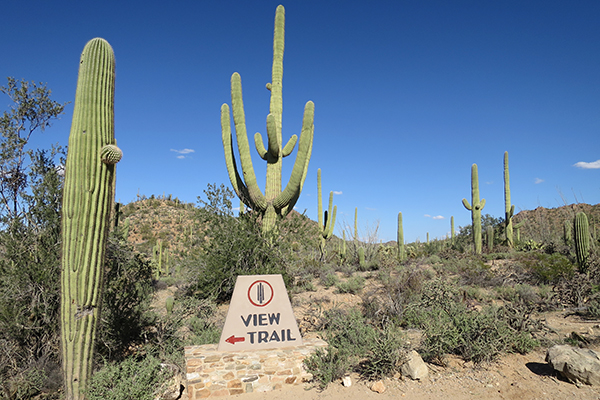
408,94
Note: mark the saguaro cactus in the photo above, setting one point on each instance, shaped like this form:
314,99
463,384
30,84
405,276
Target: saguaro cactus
509,210
87,204
327,219
400,238
452,232
489,234
274,202
475,207
582,239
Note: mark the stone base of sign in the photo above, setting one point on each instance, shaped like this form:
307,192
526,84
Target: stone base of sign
212,373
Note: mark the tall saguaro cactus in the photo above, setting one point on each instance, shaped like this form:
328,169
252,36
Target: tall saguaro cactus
475,207
274,202
509,209
87,203
400,238
327,219
452,232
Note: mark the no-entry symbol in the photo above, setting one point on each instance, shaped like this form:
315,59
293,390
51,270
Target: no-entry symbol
260,293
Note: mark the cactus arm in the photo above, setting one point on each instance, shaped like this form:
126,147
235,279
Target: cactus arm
274,137
260,146
466,204
234,177
330,223
239,120
481,205
87,204
276,85
294,185
294,199
289,147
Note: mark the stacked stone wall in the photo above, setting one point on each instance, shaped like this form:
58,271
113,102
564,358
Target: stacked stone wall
212,373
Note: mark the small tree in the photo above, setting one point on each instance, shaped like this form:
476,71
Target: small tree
30,198
32,110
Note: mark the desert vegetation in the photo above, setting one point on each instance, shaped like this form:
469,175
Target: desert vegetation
157,272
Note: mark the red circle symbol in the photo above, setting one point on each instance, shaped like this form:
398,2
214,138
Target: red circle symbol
260,293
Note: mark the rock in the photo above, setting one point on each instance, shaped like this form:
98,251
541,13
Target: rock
347,381
378,387
414,367
576,365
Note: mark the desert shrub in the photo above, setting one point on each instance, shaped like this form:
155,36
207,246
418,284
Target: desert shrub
131,378
354,344
126,300
329,280
547,268
353,285
451,327
232,246
399,289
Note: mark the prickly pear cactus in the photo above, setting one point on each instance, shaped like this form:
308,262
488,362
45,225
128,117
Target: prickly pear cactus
87,203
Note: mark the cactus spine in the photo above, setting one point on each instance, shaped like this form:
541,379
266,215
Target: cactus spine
87,204
582,239
400,238
509,210
275,202
475,207
326,220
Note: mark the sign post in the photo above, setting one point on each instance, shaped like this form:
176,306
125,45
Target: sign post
260,316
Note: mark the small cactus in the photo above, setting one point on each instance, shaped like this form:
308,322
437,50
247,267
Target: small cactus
582,239
400,238
169,303
361,257
327,219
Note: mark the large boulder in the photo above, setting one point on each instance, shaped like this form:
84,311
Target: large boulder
574,364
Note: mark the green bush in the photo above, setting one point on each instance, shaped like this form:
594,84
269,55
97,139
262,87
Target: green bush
130,379
126,300
232,246
450,327
353,285
354,344
547,268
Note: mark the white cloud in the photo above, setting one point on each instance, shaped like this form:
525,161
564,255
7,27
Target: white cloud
439,217
427,216
588,165
180,157
337,193
538,181
184,151
370,209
